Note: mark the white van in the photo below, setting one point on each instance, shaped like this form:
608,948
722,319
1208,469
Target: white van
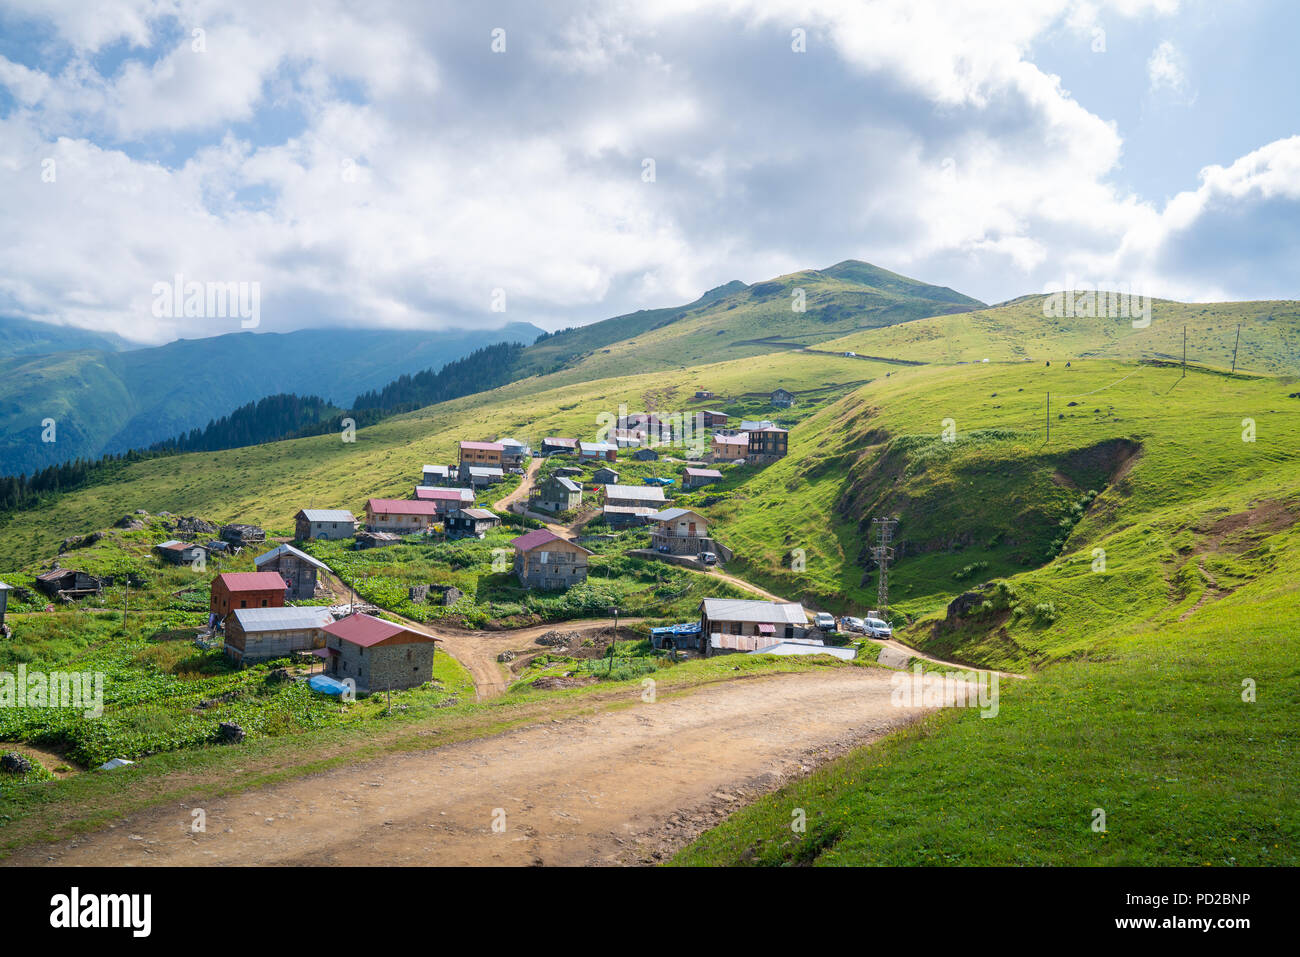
877,628
824,621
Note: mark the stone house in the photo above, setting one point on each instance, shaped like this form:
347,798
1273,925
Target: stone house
324,523
556,494
377,655
545,560
298,569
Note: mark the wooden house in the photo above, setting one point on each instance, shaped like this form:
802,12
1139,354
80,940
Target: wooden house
377,655
241,535
557,493
597,452
630,504
704,394
324,523
471,522
646,455
68,583
262,634
713,420
4,605
235,590
445,500
514,454
698,478
605,476
481,453
436,475
728,448
481,476
545,560
403,516
182,553
298,569
782,398
554,445
767,444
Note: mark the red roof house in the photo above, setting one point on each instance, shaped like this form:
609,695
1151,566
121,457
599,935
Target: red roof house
235,590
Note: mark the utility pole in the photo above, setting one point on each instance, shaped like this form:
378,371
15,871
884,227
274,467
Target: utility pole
1234,348
883,553
1049,418
1184,375
613,642
126,592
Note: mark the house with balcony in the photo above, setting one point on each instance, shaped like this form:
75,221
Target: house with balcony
545,560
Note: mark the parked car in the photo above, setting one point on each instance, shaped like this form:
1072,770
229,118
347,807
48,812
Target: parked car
853,624
878,629
824,621
708,558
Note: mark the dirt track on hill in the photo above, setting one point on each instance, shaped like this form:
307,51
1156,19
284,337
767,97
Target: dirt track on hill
624,786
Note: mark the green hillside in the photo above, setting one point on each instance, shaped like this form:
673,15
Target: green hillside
735,320
1140,564
106,401
1269,343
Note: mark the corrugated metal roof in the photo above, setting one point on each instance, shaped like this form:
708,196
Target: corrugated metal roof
483,446
400,506
283,619
569,485
484,470
261,560
366,630
327,515
252,581
668,514
479,513
703,473
743,609
430,493
542,536
642,493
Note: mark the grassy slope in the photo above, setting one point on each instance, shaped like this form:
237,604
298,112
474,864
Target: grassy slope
1270,335
737,321
269,483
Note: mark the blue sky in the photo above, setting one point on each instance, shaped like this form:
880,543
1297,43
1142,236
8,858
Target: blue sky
385,166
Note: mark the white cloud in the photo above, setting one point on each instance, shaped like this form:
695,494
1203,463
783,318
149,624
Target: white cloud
387,168
1166,71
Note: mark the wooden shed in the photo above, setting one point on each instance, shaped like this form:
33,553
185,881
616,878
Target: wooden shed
261,634
298,569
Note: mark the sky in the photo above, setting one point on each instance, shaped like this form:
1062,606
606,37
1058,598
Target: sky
424,165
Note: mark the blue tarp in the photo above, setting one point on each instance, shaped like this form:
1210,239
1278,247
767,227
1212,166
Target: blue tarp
327,685
687,628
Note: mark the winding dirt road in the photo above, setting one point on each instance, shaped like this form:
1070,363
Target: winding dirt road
622,786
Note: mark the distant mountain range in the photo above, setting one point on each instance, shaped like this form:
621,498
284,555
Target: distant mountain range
106,398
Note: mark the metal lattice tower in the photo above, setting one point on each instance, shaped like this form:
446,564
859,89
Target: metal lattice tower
883,553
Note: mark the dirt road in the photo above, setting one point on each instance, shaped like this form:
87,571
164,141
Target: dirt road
626,786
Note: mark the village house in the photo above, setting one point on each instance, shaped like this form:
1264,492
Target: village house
704,394
481,476
67,583
377,655
605,476
698,478
298,569
241,535
597,451
680,531
245,590
767,445
559,446
556,494
324,523
545,560
181,553
630,504
655,429
470,522
480,453
514,453
782,399
646,455
729,625
751,425
263,634
436,475
445,500
403,516
5,589
714,420
728,448
626,438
